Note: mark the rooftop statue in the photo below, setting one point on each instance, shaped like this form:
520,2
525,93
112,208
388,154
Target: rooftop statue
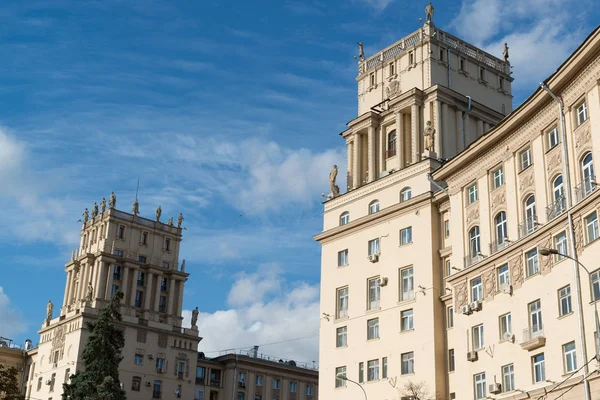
86,215
361,51
195,317
49,308
112,203
90,292
335,190
505,52
103,205
428,137
170,223
429,12
136,207
179,220
95,210
158,213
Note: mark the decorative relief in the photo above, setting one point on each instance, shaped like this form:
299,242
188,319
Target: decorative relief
546,262
489,284
58,344
498,198
393,89
461,296
587,77
583,138
473,214
578,229
516,271
553,160
526,180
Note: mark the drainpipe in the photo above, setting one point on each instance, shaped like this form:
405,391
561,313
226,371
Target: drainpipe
464,139
430,179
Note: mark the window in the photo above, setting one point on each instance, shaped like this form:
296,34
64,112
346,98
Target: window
344,218
498,177
201,372
552,138
384,368
503,276
121,232
451,360
164,284
139,295
525,157
339,371
533,266
373,329
478,342
447,267
361,372
482,74
407,291
142,259
587,172
596,285
558,194
156,390
447,228
374,246
374,207
116,273
476,289
374,294
391,69
406,320
591,227
411,58
276,381
442,54
462,64
309,390
582,114
539,368
144,239
136,382
501,229
138,359
343,258
39,385
52,381
342,302
406,236
450,317
372,370
501,84
480,388
165,265
341,337
114,289
259,380
241,396
508,378
408,363
391,144
162,304
530,215
472,193
474,242
560,244
535,318
292,387
67,375
405,194
118,253
140,278
564,301
505,326
167,244
570,357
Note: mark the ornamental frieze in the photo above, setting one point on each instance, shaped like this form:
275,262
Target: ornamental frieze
461,296
553,160
472,214
498,198
546,262
489,284
578,228
526,180
516,271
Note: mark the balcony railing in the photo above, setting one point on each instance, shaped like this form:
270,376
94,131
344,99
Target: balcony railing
585,188
472,260
555,209
498,245
199,380
215,383
533,337
528,226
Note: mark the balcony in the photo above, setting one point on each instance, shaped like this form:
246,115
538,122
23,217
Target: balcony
585,188
498,245
533,338
528,226
472,260
179,374
557,208
199,380
241,384
215,382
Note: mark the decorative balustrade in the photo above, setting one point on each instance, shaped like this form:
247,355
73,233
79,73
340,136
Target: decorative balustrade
533,337
555,209
527,227
498,245
585,188
472,260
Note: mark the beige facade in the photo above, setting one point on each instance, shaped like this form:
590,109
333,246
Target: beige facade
247,377
12,356
140,257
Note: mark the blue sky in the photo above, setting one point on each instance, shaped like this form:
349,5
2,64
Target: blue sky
226,111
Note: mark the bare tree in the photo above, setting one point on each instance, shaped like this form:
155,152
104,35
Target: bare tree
418,391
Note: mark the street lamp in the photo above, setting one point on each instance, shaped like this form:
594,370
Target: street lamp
345,378
547,252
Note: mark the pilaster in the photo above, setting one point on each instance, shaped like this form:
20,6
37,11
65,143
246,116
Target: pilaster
479,128
67,288
371,154
133,287
101,281
171,302
437,121
109,283
148,291
400,139
441,136
124,289
350,166
356,161
414,127
157,293
180,299
382,148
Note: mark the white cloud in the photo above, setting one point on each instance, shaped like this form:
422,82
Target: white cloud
378,4
285,314
12,320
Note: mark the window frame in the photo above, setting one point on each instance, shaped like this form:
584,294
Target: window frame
342,312
477,332
503,275
407,363
373,370
407,320
541,363
505,325
561,244
374,207
565,305
373,247
498,177
472,194
339,383
533,268
569,357
449,317
480,386
405,282
552,139
451,361
341,339
591,221
373,328
501,227
392,137
406,194
406,236
373,294
522,161
392,69
581,113
474,241
343,258
595,284
508,371
344,218
476,285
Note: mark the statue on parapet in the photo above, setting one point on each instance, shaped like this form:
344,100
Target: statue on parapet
90,292
112,202
136,207
183,266
505,52
429,13
428,139
49,308
361,51
335,189
195,318
95,210
179,220
158,213
103,205
86,215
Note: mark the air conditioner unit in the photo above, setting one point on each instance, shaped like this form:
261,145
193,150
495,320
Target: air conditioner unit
495,388
472,356
508,336
150,356
374,257
476,305
506,288
382,281
148,383
466,309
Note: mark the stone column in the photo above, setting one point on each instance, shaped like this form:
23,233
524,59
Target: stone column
400,139
180,299
382,148
460,142
171,301
467,135
356,162
444,131
133,287
148,291
109,283
486,127
82,284
67,288
350,169
101,280
371,154
437,125
157,293
125,281
479,128
414,134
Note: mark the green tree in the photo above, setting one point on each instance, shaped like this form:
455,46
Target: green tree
9,384
101,358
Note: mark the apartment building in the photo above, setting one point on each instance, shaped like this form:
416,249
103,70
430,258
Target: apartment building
14,356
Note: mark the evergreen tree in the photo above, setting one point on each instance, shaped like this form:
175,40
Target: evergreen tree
101,358
9,386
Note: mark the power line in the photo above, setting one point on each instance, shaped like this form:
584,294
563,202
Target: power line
262,345
566,379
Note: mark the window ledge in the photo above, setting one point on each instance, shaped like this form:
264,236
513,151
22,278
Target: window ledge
526,168
549,149
335,321
463,72
408,301
342,347
592,242
496,188
532,276
407,331
405,244
411,66
343,266
483,81
391,77
373,310
442,62
565,315
374,339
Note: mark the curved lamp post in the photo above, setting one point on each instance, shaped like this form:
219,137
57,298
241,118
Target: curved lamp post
345,378
547,252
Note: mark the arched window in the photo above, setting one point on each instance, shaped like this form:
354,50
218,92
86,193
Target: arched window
391,144
587,173
501,231
373,206
474,242
344,218
529,215
557,188
405,194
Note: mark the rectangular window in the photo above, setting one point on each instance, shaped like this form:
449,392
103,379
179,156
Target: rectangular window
505,326
472,193
162,304
408,363
384,368
591,227
450,317
136,382
167,244
482,74
535,318
138,359
447,267
570,357
407,290
372,370
503,276
52,381
406,236
476,289
142,259
498,177
276,381
201,372
114,289
463,65
374,293
339,371
341,337
564,301
161,366
447,228
552,138
361,372
539,368
165,265
406,320
596,285
241,396
121,232
582,114
292,387
139,295
372,79
164,284
140,278
156,390
374,246
478,342
144,239
309,390
259,380
342,302
39,385
525,157
442,54
501,83
451,360
533,266
67,375
343,258
392,69
480,388
508,378
373,329
116,273
560,244
118,253
411,58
